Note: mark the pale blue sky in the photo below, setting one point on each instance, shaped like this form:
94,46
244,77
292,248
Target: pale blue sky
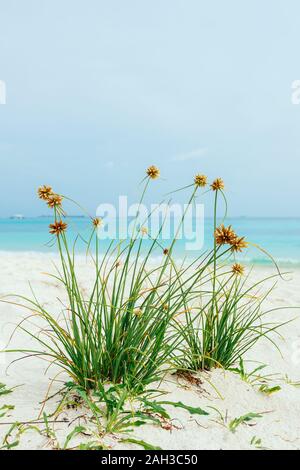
98,90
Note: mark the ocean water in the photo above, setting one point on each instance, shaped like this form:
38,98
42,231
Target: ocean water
278,236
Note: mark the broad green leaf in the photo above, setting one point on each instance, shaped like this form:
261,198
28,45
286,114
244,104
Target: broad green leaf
156,408
191,409
75,432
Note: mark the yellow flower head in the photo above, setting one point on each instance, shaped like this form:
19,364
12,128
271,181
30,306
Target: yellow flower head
225,235
153,172
97,222
44,192
238,269
200,181
144,230
217,184
54,200
238,244
137,312
58,227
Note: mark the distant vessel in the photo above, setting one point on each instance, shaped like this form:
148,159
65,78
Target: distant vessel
17,216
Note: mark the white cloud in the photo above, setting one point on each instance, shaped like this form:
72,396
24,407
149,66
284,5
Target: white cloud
183,157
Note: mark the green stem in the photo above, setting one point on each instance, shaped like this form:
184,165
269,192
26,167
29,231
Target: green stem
215,251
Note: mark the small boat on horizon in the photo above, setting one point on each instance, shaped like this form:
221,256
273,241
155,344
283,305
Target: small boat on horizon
17,217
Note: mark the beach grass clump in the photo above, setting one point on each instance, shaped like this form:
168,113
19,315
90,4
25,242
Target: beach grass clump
231,323
140,320
120,331
228,317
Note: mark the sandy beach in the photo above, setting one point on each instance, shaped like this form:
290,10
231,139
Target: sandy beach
224,395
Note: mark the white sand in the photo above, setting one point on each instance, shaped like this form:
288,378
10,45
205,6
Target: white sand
279,428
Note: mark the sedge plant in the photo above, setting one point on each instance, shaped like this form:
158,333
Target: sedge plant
120,332
139,320
229,317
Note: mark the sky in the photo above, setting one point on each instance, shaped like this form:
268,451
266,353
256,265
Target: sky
96,91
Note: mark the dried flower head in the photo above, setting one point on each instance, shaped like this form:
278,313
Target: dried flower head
44,192
200,181
217,184
225,235
97,222
137,312
166,251
238,244
153,172
58,227
54,200
238,269
144,230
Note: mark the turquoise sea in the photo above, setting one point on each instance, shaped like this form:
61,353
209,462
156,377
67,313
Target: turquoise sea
279,236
